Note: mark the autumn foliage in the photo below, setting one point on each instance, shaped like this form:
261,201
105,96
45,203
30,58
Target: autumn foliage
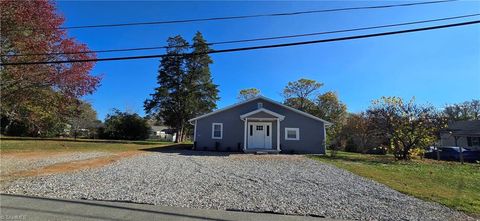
39,95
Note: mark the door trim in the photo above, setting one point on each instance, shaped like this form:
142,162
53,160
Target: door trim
268,138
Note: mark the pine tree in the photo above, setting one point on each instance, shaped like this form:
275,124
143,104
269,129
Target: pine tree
186,87
201,87
166,102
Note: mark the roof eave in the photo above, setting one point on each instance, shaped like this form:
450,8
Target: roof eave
267,99
279,116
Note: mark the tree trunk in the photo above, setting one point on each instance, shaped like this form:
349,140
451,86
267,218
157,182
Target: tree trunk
405,153
182,138
180,135
177,135
184,132
7,128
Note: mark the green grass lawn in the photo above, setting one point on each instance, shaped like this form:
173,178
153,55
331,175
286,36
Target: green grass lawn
31,144
449,183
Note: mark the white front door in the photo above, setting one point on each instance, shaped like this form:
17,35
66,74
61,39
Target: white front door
259,135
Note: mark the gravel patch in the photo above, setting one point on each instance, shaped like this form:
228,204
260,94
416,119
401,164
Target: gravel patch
273,183
12,163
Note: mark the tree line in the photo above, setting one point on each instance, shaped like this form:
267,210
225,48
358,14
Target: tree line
390,123
45,99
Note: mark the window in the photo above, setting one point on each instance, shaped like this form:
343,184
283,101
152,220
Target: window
292,134
217,131
473,141
259,105
259,127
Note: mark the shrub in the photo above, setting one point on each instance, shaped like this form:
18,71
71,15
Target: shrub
419,152
125,126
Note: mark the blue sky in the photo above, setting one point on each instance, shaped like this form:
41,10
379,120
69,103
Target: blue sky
438,67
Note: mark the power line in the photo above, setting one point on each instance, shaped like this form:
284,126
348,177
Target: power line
253,16
253,39
255,47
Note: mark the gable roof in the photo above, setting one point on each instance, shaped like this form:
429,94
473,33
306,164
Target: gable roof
281,117
264,98
466,127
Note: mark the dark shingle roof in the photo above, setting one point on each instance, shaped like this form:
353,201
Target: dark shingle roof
466,127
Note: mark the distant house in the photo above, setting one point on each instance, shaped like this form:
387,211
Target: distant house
163,133
260,125
462,134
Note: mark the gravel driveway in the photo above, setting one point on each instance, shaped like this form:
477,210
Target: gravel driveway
274,183
11,163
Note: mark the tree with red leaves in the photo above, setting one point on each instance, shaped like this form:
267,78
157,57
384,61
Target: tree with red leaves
39,95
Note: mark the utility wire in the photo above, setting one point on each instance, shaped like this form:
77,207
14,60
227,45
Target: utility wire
253,16
251,40
255,47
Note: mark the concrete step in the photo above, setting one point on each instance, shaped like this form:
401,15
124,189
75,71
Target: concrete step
261,152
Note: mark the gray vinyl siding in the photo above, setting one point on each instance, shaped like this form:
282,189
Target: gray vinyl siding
462,141
312,134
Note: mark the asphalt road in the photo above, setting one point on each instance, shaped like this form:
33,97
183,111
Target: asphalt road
18,207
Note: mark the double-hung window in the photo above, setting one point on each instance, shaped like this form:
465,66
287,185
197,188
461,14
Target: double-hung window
292,133
217,131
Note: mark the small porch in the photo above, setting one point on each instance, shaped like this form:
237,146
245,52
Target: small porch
261,131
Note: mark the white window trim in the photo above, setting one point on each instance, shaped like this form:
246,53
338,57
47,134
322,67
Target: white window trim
213,131
297,131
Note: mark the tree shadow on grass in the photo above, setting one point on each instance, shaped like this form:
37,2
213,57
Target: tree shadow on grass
363,158
138,142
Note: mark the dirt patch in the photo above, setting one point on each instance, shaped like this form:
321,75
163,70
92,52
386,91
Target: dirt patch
72,166
32,154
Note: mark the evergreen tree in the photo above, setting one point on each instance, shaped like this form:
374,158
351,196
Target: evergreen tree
185,86
201,87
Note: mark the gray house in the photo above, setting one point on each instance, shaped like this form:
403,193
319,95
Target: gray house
462,134
260,125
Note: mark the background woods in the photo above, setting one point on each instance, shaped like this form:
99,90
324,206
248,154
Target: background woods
390,124
47,99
